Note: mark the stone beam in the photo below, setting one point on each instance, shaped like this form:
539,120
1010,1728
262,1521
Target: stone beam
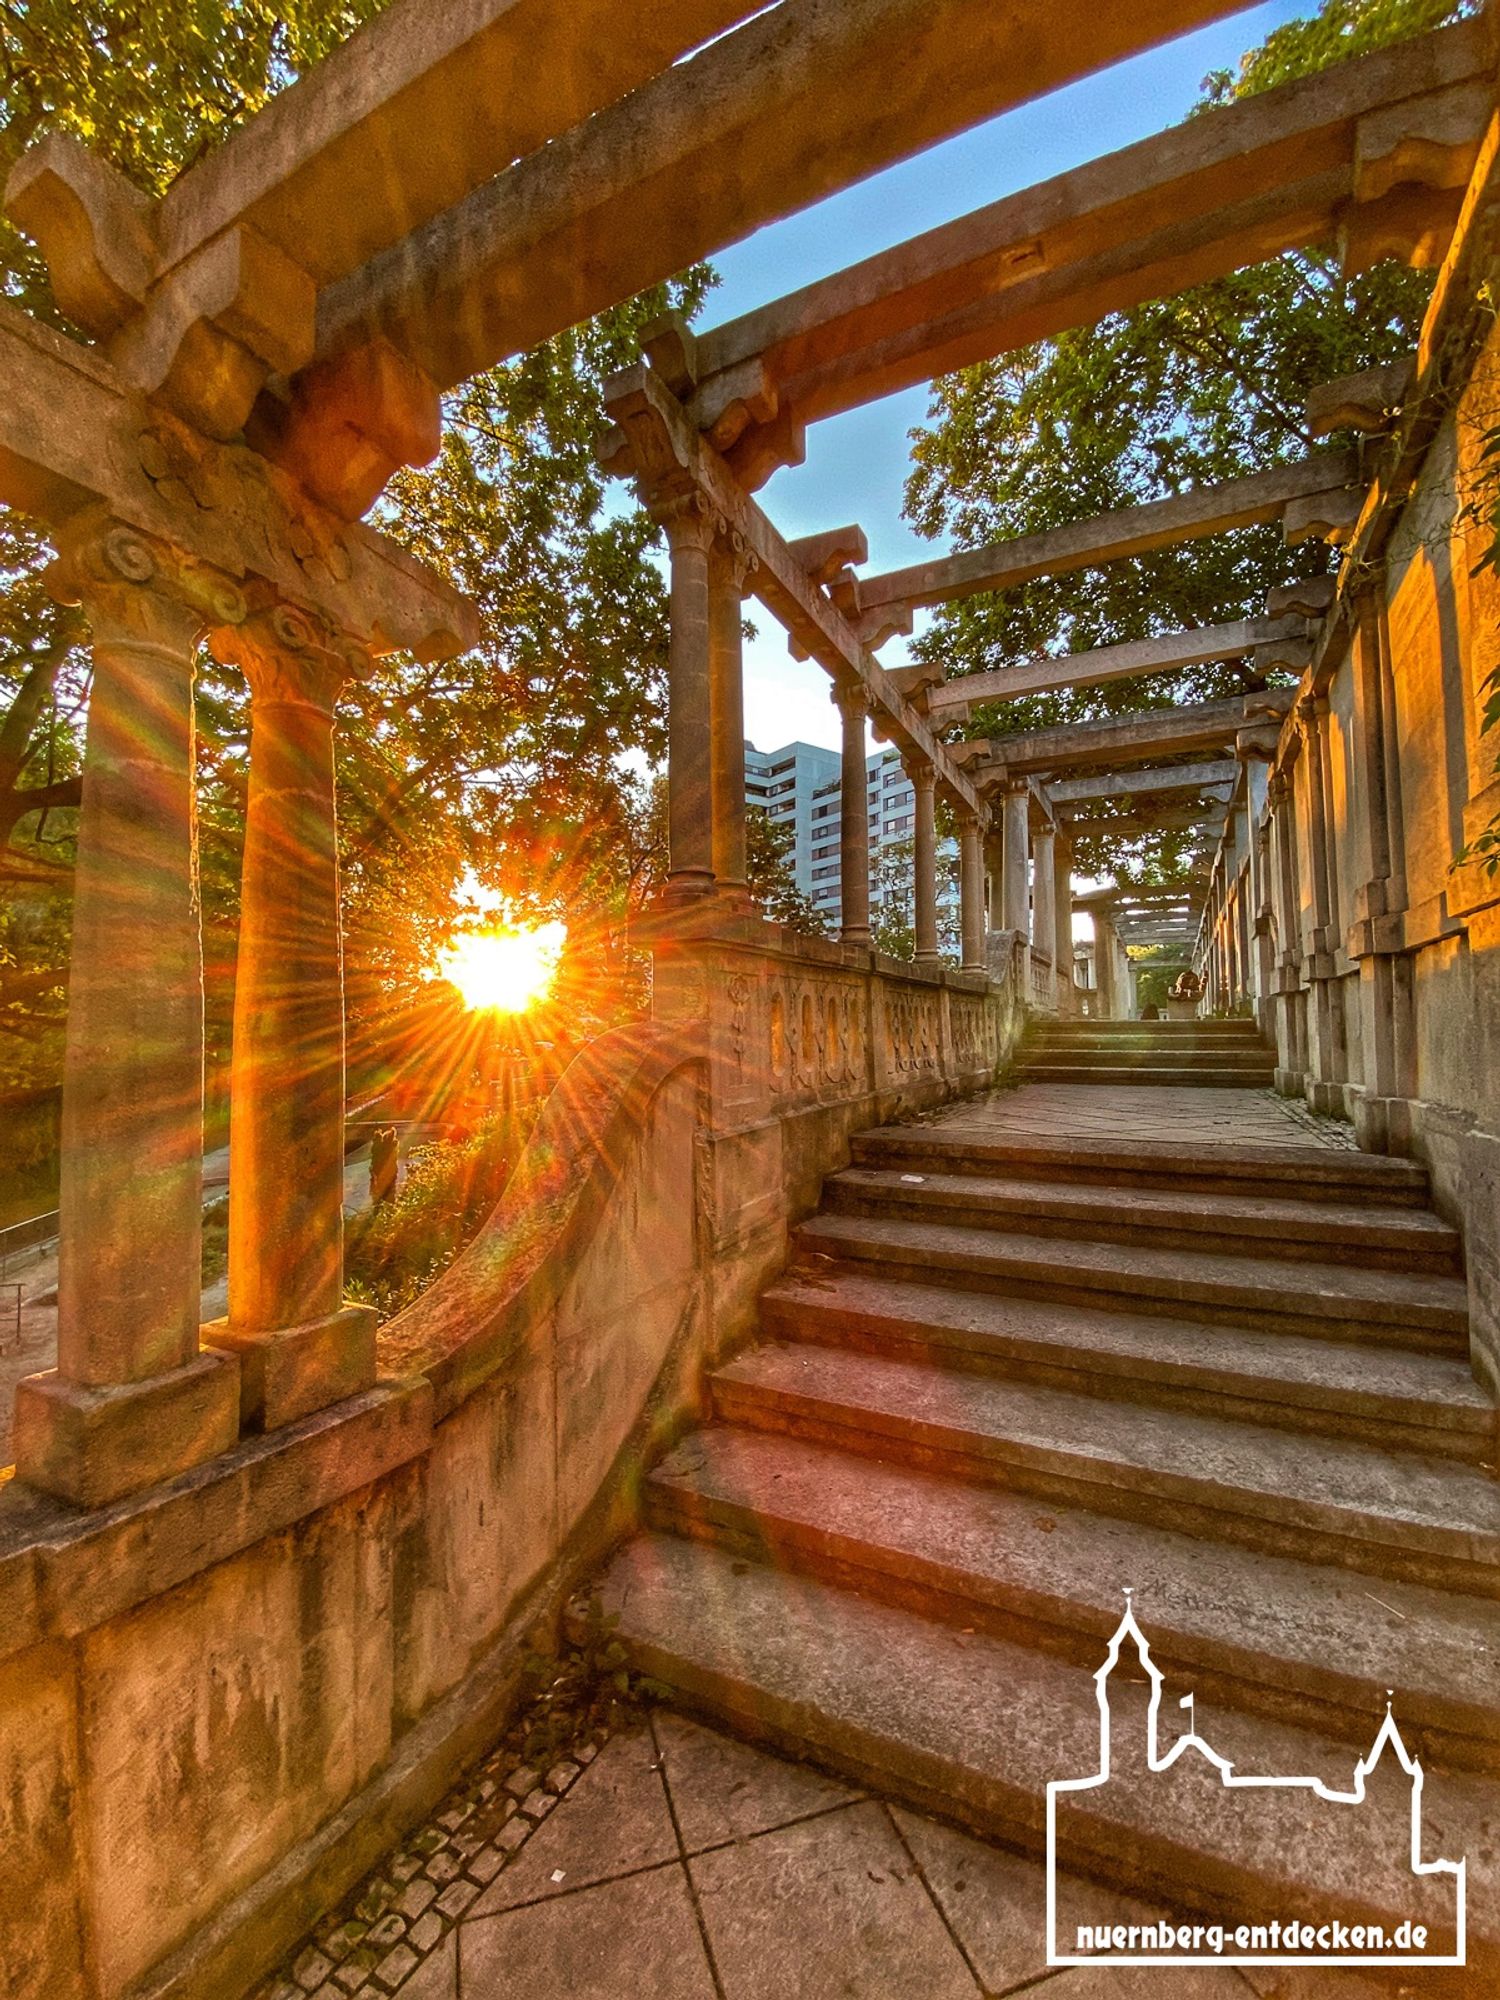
652,441
1127,531
1206,643
804,99
72,436
417,108
1122,739
1120,784
1232,187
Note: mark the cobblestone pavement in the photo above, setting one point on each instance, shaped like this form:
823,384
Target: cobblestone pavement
675,1863
1184,1114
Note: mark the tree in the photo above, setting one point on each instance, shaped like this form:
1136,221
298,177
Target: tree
1177,393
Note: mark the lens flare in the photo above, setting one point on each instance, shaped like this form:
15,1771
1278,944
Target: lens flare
505,970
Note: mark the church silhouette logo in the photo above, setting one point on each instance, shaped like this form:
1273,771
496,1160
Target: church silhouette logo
1436,1915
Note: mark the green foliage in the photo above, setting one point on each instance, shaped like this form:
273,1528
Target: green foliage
394,1252
1178,393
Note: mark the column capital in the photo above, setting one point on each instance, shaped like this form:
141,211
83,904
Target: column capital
290,657
920,773
850,697
690,521
1310,710
737,553
152,591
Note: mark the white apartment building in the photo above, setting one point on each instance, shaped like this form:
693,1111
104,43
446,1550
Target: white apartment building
799,786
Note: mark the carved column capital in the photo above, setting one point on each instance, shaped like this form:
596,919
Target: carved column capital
850,697
290,657
740,558
690,521
922,776
151,591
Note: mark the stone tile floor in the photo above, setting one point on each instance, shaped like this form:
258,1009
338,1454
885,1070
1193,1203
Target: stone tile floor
676,1863
1185,1114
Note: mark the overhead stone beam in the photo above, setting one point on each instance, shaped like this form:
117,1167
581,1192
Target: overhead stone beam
1127,531
804,99
1122,739
1281,170
1260,636
418,107
653,442
1120,784
72,437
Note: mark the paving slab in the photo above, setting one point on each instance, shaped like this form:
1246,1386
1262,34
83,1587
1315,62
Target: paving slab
623,1824
723,1790
830,1907
635,1935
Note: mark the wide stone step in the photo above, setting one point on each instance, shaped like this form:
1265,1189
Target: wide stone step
1207,1076
1327,1301
1247,1223
975,1727
1430,1520
1195,1054
1400,1400
1303,1172
1307,1644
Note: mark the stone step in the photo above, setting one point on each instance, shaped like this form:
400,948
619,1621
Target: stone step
975,1727
1205,1076
1146,1034
1303,1172
1429,1520
1129,1049
1326,1301
1305,1644
1387,1396
1248,1223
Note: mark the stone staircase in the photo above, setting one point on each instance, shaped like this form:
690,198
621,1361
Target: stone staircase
1003,1380
1153,1052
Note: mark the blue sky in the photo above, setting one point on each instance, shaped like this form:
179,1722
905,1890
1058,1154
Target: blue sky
856,464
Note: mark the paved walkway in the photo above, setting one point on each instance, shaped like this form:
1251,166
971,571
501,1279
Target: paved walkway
680,1864
1185,1114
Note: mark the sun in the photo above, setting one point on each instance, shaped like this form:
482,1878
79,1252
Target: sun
505,970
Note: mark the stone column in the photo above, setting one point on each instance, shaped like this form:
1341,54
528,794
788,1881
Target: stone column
729,565
1015,914
300,1347
971,891
854,816
1292,1067
924,860
1062,922
690,526
133,1400
1327,1058
1044,902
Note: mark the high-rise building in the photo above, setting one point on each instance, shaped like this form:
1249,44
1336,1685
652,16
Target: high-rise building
800,786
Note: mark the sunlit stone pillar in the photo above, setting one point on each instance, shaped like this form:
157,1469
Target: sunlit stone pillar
924,860
300,1347
1015,914
730,563
1062,920
132,1400
1327,1056
1293,1061
1043,901
854,816
690,527
971,891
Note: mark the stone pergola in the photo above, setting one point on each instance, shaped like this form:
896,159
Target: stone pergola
261,350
